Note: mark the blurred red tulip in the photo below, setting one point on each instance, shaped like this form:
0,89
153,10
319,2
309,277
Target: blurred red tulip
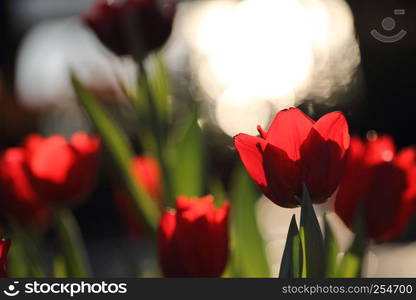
19,196
147,172
123,26
193,240
383,183
46,171
4,250
64,170
296,150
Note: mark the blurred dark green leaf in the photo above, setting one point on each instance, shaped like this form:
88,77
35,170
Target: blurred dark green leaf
121,152
59,267
160,87
18,264
72,246
248,253
312,239
217,190
24,256
291,265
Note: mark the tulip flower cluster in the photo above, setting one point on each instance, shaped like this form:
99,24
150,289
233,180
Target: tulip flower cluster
160,190
371,181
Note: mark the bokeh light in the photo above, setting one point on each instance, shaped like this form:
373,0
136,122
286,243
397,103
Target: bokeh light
244,54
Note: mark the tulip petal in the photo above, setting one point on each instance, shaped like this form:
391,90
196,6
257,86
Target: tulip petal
52,159
20,196
379,150
4,251
170,259
283,177
249,149
323,155
334,127
289,130
147,172
194,208
385,205
406,158
84,143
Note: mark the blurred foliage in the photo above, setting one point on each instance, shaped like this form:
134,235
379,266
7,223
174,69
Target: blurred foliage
72,261
247,246
187,157
121,151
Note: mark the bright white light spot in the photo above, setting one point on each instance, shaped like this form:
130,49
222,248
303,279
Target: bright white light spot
51,49
387,156
258,51
241,105
249,46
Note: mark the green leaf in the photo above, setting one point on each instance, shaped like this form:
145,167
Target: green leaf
187,158
248,253
18,264
217,190
352,262
24,255
72,246
312,240
160,87
331,251
291,265
59,267
121,152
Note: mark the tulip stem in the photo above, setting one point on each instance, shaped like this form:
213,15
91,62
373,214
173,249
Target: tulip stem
71,245
160,135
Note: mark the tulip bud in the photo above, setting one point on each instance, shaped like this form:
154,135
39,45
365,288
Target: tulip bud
132,26
147,172
193,239
295,151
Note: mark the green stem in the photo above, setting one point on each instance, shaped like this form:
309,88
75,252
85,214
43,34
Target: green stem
71,245
159,134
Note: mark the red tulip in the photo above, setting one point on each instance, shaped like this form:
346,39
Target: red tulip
193,240
64,170
383,183
123,26
147,171
46,171
4,250
19,196
296,150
